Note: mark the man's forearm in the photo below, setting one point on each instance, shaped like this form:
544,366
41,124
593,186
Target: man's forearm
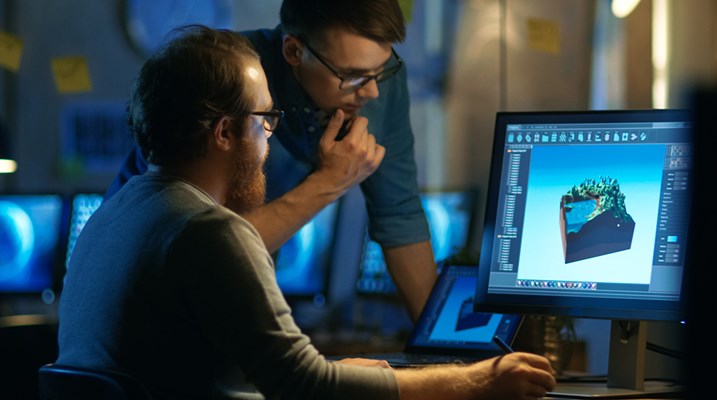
512,376
280,219
413,269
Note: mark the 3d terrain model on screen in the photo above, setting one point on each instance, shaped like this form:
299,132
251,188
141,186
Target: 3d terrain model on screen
468,319
594,220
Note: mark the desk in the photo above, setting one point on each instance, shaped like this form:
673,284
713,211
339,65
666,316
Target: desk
249,394
26,343
653,390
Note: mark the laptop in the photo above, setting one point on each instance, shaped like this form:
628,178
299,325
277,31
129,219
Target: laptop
448,330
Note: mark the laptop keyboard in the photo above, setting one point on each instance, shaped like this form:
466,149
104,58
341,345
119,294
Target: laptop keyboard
409,359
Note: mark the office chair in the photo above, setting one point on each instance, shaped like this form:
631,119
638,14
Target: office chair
64,382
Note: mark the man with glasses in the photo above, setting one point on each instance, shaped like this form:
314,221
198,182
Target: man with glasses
187,301
334,59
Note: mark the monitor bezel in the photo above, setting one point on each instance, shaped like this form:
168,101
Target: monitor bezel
613,309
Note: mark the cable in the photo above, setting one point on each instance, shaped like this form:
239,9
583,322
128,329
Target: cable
665,351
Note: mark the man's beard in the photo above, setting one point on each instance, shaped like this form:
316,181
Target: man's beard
248,182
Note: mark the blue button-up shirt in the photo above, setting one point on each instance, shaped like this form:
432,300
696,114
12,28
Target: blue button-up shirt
395,213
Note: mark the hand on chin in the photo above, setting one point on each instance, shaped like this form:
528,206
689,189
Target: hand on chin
350,111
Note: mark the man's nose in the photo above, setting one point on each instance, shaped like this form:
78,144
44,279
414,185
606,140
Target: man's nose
369,90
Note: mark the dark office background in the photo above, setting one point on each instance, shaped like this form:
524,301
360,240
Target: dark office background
467,59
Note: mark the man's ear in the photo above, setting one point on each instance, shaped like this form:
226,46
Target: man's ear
292,49
222,135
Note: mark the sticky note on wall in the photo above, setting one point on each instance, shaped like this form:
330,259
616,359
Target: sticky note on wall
72,75
10,51
543,35
407,9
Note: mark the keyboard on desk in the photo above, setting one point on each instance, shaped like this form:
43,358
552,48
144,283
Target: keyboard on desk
401,359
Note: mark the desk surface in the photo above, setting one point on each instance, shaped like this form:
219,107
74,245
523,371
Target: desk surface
589,390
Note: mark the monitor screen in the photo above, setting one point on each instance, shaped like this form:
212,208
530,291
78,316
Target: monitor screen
82,206
449,215
30,232
587,215
302,263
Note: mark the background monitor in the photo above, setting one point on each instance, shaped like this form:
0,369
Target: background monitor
302,263
587,215
450,216
30,241
81,208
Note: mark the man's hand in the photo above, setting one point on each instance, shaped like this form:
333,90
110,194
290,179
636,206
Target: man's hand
341,165
344,163
515,375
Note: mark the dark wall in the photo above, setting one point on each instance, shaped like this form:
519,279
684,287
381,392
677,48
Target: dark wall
33,104
41,118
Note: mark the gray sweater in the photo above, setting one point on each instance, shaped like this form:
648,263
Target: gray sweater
168,286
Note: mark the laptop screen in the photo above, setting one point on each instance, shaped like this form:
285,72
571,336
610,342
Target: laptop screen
448,321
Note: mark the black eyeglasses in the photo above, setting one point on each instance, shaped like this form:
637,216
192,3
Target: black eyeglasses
351,83
271,118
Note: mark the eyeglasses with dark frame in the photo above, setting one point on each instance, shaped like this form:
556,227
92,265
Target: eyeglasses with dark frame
271,118
352,83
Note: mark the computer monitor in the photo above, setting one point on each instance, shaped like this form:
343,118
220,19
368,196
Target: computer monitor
81,208
450,217
587,215
303,263
30,241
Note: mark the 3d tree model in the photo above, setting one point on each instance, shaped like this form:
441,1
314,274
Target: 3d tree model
594,220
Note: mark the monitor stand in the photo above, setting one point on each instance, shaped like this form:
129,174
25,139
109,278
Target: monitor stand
626,369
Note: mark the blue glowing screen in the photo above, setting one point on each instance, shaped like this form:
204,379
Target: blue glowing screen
83,205
302,264
29,241
449,216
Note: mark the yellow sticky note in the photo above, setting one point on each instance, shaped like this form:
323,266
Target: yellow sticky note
543,35
406,8
10,51
71,74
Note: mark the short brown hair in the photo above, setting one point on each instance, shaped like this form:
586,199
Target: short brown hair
192,81
378,20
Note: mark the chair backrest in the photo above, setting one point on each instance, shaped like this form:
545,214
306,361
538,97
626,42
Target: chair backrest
64,382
